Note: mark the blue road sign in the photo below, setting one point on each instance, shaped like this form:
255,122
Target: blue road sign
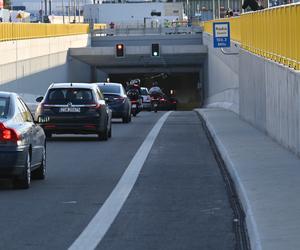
221,32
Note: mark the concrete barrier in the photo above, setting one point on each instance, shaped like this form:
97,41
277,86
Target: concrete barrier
30,66
221,86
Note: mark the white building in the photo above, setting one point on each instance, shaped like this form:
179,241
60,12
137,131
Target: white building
133,13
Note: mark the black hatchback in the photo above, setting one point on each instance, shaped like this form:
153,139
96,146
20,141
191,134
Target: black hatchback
74,108
22,142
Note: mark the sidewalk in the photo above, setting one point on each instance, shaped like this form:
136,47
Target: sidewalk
267,179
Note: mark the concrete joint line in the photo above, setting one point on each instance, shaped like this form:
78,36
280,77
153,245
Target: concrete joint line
101,222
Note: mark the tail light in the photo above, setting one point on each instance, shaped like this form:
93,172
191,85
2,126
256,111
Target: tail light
9,134
119,99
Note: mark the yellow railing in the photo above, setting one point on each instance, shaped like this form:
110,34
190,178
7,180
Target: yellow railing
272,33
17,31
99,26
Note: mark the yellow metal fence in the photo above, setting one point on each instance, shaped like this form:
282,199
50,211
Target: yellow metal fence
17,31
272,33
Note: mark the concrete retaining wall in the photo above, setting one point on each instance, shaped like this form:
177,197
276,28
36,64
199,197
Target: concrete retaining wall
262,92
30,66
221,84
270,98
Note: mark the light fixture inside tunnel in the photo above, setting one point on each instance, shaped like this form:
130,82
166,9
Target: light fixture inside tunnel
155,50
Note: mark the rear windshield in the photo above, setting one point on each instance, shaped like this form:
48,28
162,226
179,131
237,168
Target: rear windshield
114,89
4,105
71,95
144,92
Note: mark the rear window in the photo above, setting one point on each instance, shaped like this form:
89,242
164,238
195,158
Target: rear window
4,105
114,89
144,92
70,95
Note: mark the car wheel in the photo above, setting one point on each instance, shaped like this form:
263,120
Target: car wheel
24,180
103,135
40,173
48,134
110,131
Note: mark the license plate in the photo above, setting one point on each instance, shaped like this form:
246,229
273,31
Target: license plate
69,110
134,105
155,105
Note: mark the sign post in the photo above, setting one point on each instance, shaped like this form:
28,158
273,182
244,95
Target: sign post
221,32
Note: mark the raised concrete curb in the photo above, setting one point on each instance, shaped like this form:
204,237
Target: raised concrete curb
266,176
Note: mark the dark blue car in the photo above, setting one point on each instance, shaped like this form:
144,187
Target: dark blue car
117,100
22,142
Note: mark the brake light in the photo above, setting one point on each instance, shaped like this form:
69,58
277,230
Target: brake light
91,126
49,126
8,134
162,99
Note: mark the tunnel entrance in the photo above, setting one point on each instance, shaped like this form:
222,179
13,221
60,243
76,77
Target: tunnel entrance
185,86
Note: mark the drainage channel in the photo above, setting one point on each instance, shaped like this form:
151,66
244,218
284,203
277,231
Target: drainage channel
239,224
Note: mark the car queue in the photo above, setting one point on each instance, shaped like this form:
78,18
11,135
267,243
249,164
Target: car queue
66,108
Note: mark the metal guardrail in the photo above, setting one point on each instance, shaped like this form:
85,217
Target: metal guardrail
271,33
18,31
132,31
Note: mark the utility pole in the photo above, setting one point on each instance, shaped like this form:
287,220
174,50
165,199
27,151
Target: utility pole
214,9
69,3
63,10
74,1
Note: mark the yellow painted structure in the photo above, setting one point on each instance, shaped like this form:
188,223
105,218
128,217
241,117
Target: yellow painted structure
272,33
18,31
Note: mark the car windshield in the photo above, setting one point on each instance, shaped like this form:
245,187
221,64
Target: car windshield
4,105
70,95
144,92
114,89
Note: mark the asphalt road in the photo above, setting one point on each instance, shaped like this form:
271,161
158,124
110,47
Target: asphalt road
178,202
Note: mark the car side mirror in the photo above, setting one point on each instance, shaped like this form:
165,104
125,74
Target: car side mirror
39,99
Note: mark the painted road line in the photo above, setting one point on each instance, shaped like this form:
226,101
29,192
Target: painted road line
99,225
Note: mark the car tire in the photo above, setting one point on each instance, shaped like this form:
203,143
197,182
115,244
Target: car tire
127,118
48,134
103,135
110,131
23,181
40,173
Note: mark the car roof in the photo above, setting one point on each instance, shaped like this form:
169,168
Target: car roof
7,94
72,85
110,83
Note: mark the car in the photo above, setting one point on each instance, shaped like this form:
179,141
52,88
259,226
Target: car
146,99
117,99
22,142
74,108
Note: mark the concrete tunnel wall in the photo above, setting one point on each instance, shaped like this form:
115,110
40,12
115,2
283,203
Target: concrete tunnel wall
29,66
221,78
262,92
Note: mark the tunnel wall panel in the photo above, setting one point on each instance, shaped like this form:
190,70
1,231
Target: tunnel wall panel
270,98
222,82
30,66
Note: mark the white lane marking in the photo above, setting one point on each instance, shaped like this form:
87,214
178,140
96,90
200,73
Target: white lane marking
99,225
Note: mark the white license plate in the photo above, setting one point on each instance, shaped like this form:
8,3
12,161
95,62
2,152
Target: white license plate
69,110
155,105
134,105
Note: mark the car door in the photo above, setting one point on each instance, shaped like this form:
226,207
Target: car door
36,134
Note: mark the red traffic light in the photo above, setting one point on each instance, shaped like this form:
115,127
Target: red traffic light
120,50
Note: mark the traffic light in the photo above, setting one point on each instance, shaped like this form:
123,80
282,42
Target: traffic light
120,50
155,50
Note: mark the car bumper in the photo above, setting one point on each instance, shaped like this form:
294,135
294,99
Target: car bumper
71,128
118,111
147,105
12,161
